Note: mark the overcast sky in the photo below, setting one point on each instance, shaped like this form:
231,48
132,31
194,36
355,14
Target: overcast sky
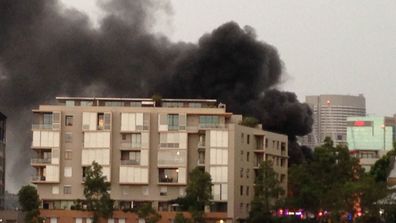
327,46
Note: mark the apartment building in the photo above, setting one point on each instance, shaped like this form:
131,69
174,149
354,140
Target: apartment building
147,149
2,158
330,114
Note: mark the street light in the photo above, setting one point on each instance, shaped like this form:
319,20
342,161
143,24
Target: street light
384,128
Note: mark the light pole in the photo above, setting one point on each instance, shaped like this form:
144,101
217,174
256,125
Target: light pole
384,128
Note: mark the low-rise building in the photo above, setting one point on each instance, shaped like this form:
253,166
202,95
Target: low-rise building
370,137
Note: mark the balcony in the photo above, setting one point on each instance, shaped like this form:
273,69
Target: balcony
38,178
40,161
168,175
130,162
42,126
130,145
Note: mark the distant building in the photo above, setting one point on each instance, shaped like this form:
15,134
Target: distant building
370,137
2,157
330,113
147,151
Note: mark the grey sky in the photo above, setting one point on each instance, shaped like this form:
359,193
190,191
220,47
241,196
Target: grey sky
328,46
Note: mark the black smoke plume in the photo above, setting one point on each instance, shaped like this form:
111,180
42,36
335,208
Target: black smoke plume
47,50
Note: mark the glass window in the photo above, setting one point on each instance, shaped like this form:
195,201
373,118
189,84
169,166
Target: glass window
67,189
70,103
173,121
69,120
47,119
86,103
68,137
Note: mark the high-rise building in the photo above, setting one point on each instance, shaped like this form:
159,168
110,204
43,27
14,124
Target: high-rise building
330,113
147,150
370,137
2,157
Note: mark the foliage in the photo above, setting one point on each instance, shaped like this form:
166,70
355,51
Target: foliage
157,100
333,181
250,121
179,218
30,202
382,167
198,194
96,193
147,212
267,193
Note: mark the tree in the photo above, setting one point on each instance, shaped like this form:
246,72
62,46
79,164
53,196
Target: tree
250,121
147,212
198,194
96,193
179,218
382,167
267,192
29,200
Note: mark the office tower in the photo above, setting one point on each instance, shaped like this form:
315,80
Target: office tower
330,113
147,149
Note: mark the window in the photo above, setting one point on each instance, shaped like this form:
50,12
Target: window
168,175
248,139
241,190
123,136
130,157
145,190
68,171
247,173
78,220
163,191
266,143
136,140
47,118
241,172
173,121
67,189
68,137
247,190
86,103
242,137
69,103
282,178
209,120
100,122
68,155
69,120
241,155
247,156
55,189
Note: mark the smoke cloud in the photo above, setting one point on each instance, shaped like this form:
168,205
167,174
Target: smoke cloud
47,50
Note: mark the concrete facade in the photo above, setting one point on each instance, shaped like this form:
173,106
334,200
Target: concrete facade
330,113
147,150
2,158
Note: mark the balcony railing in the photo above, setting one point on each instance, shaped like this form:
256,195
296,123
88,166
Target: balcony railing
130,145
130,162
167,179
41,161
38,178
169,145
42,126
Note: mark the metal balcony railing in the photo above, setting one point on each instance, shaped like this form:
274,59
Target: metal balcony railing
41,126
130,145
40,160
130,162
38,178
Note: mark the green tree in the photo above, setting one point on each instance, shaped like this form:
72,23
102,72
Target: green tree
147,212
267,192
198,194
30,202
382,167
179,218
250,121
96,193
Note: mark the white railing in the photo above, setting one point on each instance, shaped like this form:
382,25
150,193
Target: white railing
41,126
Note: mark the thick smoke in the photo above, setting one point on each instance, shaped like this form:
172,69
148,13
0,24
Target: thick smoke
47,50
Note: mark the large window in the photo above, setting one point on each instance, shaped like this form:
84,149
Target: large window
167,175
209,120
173,121
130,157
